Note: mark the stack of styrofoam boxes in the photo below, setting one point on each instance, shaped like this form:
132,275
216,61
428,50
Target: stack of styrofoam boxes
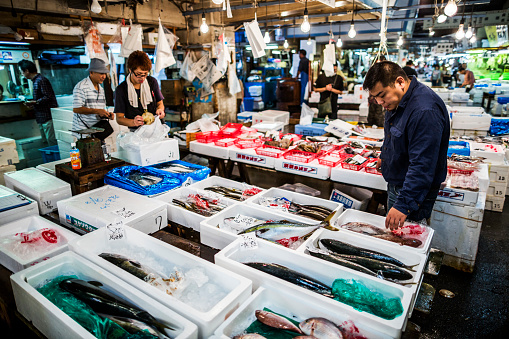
359,93
498,172
62,123
8,157
443,93
363,112
272,116
470,121
28,151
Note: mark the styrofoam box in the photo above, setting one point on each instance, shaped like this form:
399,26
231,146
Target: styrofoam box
62,125
8,151
459,97
363,109
249,156
457,228
266,126
379,221
33,223
477,150
102,206
463,109
49,167
5,169
220,181
18,212
272,116
408,257
499,173
54,323
62,113
46,189
497,189
358,178
181,215
351,197
467,132
209,149
238,288
232,257
297,198
152,153
495,204
468,121
65,136
295,306
215,237
312,169
445,96
462,196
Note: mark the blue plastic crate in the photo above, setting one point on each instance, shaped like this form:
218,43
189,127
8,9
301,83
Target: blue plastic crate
248,104
464,150
50,153
310,130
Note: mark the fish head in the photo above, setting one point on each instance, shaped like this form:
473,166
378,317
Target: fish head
307,326
78,287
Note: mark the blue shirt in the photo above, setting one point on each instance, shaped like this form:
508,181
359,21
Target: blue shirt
44,97
414,152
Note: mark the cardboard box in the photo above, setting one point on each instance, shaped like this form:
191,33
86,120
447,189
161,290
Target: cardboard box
16,213
8,152
150,154
351,197
5,169
312,169
42,187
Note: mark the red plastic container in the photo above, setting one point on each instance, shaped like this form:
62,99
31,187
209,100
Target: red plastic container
270,151
327,161
369,169
231,130
207,137
299,156
352,166
248,143
225,142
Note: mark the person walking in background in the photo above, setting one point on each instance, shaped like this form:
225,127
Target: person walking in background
43,101
303,71
436,76
329,88
469,80
409,69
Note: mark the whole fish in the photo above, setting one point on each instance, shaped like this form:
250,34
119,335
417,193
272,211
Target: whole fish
132,325
276,321
249,336
321,328
135,268
104,302
380,233
399,240
336,259
293,277
305,337
340,247
389,271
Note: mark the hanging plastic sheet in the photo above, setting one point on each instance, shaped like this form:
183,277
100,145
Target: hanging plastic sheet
228,10
142,180
93,43
132,41
206,71
223,53
186,70
186,172
329,59
113,71
233,81
164,48
255,38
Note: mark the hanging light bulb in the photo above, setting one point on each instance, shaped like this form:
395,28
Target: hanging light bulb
460,34
305,26
431,31
217,2
266,37
285,45
352,33
441,17
204,28
469,32
400,41
473,39
451,8
339,43
95,7
309,41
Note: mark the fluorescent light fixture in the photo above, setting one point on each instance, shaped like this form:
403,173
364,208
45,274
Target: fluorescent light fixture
285,13
276,52
248,48
13,43
293,51
272,47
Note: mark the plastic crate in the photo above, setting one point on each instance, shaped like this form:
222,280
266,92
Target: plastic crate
270,151
299,156
231,130
369,169
464,150
206,137
225,142
312,130
352,167
329,160
50,153
248,104
248,143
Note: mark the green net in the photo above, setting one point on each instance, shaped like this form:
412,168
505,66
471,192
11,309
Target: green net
362,298
270,332
84,315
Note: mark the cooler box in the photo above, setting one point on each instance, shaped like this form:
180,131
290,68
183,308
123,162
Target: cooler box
150,154
311,130
8,152
15,206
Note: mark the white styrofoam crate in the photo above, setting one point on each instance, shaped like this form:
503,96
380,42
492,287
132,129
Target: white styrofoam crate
266,126
14,262
62,125
499,173
209,149
364,109
409,258
297,198
102,206
469,121
249,156
312,169
64,148
220,181
351,197
46,189
54,323
495,156
495,204
272,116
19,212
358,178
215,237
463,196
152,153
295,306
466,132
8,151
233,258
497,189
238,288
181,215
351,215
463,109
62,113
65,136
5,169
445,96
49,167
459,97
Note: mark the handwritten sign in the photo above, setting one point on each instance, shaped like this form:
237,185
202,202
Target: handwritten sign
189,181
115,231
124,213
248,242
245,220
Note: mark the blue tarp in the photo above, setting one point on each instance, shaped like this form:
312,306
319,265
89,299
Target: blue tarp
120,177
499,126
199,174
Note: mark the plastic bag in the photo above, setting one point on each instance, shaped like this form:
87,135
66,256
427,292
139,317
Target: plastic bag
164,48
93,43
223,53
132,41
145,134
233,81
329,59
32,244
142,180
206,123
255,38
306,115
186,70
194,173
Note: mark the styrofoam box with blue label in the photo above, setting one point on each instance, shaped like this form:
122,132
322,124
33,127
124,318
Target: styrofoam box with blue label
105,205
311,130
295,306
457,230
182,216
12,260
351,197
416,260
233,258
151,153
213,232
9,214
298,198
358,178
232,289
311,169
54,323
42,187
379,221
242,117
249,156
209,149
220,181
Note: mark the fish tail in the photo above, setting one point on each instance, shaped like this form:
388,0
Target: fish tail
326,222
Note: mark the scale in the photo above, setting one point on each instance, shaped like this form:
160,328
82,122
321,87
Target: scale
90,148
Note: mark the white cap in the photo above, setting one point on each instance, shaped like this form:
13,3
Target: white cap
73,144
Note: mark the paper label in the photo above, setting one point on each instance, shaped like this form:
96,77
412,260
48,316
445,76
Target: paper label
115,231
360,159
124,213
248,242
189,181
245,220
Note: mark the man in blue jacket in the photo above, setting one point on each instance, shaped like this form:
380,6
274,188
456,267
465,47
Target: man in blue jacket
414,152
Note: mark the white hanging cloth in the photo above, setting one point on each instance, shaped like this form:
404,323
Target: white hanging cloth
233,81
228,10
113,71
329,59
255,38
132,41
164,52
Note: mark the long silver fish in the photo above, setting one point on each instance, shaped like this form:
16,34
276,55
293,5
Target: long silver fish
321,328
132,325
276,321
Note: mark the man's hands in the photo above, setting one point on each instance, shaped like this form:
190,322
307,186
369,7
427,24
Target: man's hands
105,114
328,87
160,113
30,103
379,165
394,219
138,121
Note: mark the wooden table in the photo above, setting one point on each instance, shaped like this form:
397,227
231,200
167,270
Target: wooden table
87,178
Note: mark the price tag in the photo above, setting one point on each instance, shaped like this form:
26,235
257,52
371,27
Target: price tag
115,231
360,159
189,181
245,220
248,242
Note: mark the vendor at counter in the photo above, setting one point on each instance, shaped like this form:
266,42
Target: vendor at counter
414,152
138,94
329,88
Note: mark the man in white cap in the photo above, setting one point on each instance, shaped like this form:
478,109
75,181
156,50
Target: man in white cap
89,102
